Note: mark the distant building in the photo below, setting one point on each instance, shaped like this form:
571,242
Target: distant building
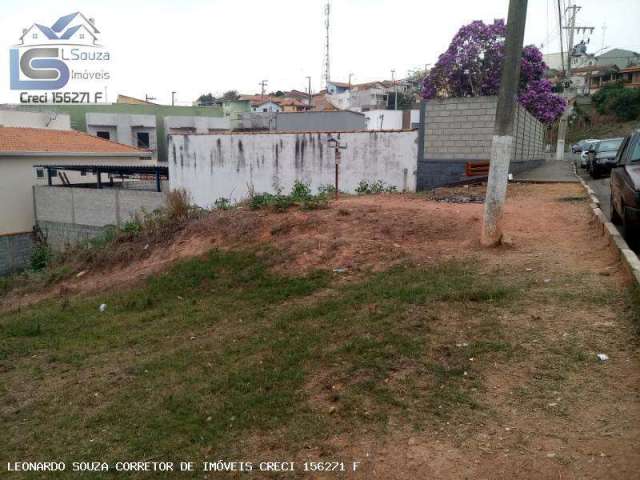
320,103
335,88
267,107
132,100
556,61
135,124
21,149
589,72
364,97
314,121
631,76
10,117
294,105
619,57
294,101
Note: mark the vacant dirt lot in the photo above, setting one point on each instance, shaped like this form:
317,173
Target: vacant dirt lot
416,352
361,234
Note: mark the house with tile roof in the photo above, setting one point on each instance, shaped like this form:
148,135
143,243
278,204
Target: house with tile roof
21,151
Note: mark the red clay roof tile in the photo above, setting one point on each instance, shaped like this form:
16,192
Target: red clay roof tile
37,140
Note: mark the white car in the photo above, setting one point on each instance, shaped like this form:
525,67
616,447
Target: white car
583,154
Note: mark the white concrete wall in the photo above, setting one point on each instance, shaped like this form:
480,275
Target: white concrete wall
415,117
52,120
229,165
172,124
384,119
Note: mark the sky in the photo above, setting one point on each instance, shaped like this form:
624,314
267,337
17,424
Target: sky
200,46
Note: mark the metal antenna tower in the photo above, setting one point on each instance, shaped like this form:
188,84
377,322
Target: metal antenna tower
326,65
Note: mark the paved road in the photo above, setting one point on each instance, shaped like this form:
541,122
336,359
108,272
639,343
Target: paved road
602,190
549,171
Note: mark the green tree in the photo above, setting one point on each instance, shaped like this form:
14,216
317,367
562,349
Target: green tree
230,96
206,100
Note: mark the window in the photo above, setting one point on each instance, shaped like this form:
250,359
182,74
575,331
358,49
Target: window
104,134
40,172
35,35
143,139
635,153
81,36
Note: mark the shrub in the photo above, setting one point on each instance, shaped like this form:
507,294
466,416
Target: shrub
363,187
222,203
178,205
40,257
281,202
315,203
260,200
379,186
615,99
132,227
300,195
300,191
327,189
626,104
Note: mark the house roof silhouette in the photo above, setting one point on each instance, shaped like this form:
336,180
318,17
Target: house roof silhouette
57,30
64,21
71,31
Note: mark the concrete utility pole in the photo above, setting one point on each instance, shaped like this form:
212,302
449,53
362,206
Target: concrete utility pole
350,75
395,90
263,86
502,143
326,65
173,98
570,93
310,95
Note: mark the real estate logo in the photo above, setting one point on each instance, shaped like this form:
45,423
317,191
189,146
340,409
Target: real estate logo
63,62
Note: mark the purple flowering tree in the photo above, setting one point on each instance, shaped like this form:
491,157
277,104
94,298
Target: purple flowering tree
472,66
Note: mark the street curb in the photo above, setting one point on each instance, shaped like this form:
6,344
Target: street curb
629,258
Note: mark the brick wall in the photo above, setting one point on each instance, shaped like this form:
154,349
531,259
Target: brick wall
15,252
460,130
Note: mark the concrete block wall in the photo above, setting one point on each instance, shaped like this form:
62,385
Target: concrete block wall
15,252
528,136
67,216
460,130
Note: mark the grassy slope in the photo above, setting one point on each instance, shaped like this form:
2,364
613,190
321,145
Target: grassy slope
218,355
224,340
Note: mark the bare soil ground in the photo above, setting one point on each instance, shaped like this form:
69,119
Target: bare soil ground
556,412
361,234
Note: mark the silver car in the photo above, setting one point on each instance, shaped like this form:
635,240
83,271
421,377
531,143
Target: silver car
582,161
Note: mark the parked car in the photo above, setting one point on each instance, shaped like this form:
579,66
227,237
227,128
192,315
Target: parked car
581,145
625,189
601,156
584,149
